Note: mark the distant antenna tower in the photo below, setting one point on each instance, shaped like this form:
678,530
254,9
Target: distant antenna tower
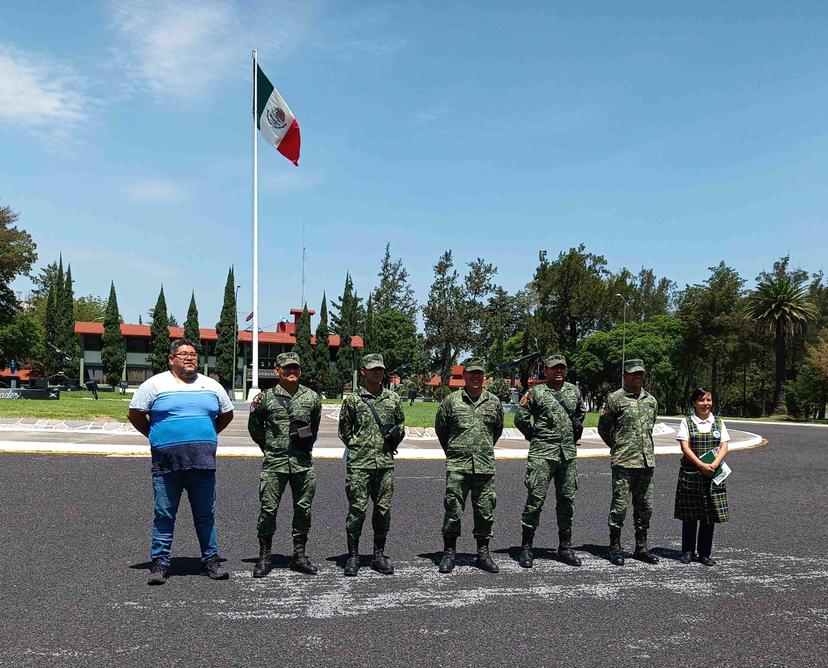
302,301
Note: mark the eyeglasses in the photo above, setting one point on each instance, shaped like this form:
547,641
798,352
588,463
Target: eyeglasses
186,356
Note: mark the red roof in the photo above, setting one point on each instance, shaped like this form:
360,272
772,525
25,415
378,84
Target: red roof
210,334
22,374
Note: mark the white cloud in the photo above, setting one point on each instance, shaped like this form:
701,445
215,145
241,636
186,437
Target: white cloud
181,49
41,95
153,191
428,116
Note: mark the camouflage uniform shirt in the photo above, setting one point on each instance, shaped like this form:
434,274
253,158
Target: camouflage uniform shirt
626,426
269,427
542,419
359,431
468,430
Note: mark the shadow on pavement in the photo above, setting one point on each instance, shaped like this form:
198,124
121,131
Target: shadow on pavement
462,559
340,559
537,553
276,560
178,566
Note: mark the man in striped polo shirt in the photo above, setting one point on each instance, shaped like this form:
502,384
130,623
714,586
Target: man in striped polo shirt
182,413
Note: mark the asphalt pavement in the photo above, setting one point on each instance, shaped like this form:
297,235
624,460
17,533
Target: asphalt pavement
75,532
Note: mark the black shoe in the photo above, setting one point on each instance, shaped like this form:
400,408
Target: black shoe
213,569
380,562
567,556
707,561
484,559
352,565
447,562
263,565
616,552
526,559
686,557
641,552
158,573
300,562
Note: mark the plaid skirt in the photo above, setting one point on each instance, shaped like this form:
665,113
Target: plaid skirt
699,499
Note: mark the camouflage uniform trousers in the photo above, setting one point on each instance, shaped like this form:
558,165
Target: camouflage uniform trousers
639,483
539,473
360,485
271,487
484,501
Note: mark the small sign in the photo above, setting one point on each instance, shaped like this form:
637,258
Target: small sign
16,393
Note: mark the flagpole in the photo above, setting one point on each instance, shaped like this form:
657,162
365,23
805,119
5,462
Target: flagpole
254,376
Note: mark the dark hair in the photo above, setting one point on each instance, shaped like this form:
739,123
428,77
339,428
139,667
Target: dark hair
698,393
178,343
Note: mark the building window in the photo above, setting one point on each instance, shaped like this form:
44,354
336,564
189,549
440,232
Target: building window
137,344
92,342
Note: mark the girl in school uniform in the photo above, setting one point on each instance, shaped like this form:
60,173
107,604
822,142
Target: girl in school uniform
700,503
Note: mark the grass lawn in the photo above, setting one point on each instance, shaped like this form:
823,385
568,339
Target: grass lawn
70,406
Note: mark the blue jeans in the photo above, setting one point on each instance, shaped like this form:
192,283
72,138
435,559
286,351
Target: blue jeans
201,490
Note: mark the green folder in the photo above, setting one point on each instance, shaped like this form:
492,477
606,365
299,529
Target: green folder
722,472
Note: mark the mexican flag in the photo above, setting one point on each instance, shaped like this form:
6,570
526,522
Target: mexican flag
275,120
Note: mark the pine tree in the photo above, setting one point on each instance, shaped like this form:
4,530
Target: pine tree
159,336
52,360
191,331
113,353
369,339
70,346
346,323
394,290
227,332
302,347
322,353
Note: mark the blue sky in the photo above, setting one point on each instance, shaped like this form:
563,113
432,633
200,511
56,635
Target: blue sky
670,135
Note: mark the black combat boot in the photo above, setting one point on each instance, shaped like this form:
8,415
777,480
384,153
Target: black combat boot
565,553
449,554
380,562
527,559
300,562
352,565
263,565
484,559
615,549
641,552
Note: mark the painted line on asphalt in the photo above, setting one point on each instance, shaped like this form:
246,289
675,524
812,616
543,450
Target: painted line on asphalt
123,450
773,423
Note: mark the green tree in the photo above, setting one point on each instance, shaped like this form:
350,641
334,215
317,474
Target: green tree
322,352
396,339
446,330
159,336
227,329
780,307
346,322
191,329
302,347
113,352
368,329
18,252
54,359
21,339
69,340
394,291
574,299
90,308
478,289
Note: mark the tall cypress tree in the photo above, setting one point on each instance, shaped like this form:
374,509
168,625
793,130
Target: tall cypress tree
113,353
226,333
302,347
369,338
345,323
322,353
191,330
159,335
52,360
70,346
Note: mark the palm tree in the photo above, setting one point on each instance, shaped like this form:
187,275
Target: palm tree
780,306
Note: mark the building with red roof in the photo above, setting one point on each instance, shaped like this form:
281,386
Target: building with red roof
137,342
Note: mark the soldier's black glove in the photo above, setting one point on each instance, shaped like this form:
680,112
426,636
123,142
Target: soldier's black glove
577,429
302,434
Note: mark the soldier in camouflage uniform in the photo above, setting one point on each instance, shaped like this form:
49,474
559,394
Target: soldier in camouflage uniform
545,417
284,422
626,426
468,424
370,459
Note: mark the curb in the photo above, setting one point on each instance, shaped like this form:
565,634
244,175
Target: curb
122,450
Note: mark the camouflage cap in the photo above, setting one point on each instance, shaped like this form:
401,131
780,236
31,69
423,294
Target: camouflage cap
631,366
473,364
554,360
288,358
372,361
